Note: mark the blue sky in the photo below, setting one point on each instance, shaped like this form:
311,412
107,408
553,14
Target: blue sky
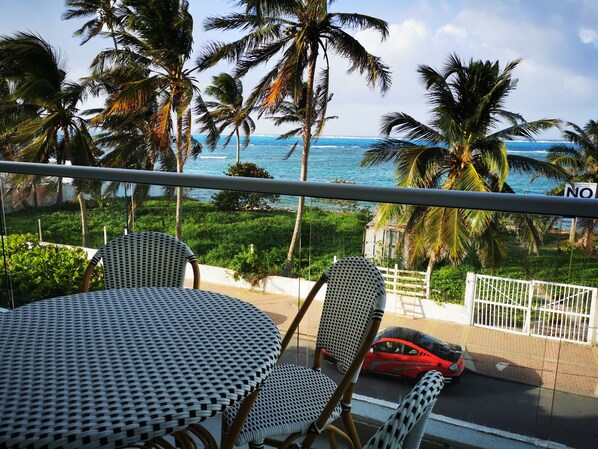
557,39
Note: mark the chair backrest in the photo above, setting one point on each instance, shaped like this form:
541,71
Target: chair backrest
355,296
405,428
144,259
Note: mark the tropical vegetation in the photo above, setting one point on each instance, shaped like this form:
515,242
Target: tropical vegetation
239,200
579,159
34,271
147,77
253,244
462,149
301,34
216,237
149,70
41,118
228,111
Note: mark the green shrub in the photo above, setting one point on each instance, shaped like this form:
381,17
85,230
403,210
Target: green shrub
43,271
253,265
235,200
448,283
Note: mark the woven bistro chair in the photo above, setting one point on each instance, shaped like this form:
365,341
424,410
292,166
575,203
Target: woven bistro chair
143,259
405,428
298,401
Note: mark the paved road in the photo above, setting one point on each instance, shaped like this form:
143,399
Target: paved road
556,416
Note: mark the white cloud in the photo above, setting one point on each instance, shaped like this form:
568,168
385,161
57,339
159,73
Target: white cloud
580,87
588,36
452,31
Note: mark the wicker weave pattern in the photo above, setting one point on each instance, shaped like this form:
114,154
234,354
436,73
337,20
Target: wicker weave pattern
294,411
355,293
144,259
294,396
115,367
405,428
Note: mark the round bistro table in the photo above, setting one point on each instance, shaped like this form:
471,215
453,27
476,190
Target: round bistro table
116,367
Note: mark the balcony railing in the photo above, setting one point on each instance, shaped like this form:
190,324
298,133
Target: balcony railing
525,388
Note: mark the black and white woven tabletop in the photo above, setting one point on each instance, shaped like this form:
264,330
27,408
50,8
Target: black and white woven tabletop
115,367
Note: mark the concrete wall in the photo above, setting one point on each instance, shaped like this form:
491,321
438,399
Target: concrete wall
300,288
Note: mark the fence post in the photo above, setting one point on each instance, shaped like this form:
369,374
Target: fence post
528,311
469,297
105,236
39,227
593,324
428,281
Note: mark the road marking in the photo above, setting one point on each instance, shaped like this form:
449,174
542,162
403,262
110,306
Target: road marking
501,366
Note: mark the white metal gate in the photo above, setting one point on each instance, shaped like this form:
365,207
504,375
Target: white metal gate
544,309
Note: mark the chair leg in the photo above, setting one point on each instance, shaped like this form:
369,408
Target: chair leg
290,442
332,431
332,439
204,436
231,433
351,429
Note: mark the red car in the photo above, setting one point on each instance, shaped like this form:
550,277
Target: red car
410,353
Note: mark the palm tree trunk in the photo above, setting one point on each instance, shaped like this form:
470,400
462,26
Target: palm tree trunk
304,158
238,145
35,201
58,201
84,229
179,168
572,231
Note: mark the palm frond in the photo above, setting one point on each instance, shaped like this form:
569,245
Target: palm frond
360,21
523,164
376,72
409,128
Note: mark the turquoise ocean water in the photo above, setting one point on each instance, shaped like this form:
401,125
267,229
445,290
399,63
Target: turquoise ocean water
338,158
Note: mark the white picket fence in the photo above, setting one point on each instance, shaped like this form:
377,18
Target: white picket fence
544,309
407,288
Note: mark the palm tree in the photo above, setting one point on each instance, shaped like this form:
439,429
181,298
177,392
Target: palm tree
134,143
460,150
228,111
104,13
580,161
290,112
301,33
156,43
46,103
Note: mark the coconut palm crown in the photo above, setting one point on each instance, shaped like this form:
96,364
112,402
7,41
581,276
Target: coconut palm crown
103,13
228,111
155,40
461,149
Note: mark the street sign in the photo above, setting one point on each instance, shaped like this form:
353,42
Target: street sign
580,190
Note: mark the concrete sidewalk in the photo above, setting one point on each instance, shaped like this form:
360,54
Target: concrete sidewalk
550,364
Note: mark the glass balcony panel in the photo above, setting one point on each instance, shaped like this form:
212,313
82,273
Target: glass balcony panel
521,324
